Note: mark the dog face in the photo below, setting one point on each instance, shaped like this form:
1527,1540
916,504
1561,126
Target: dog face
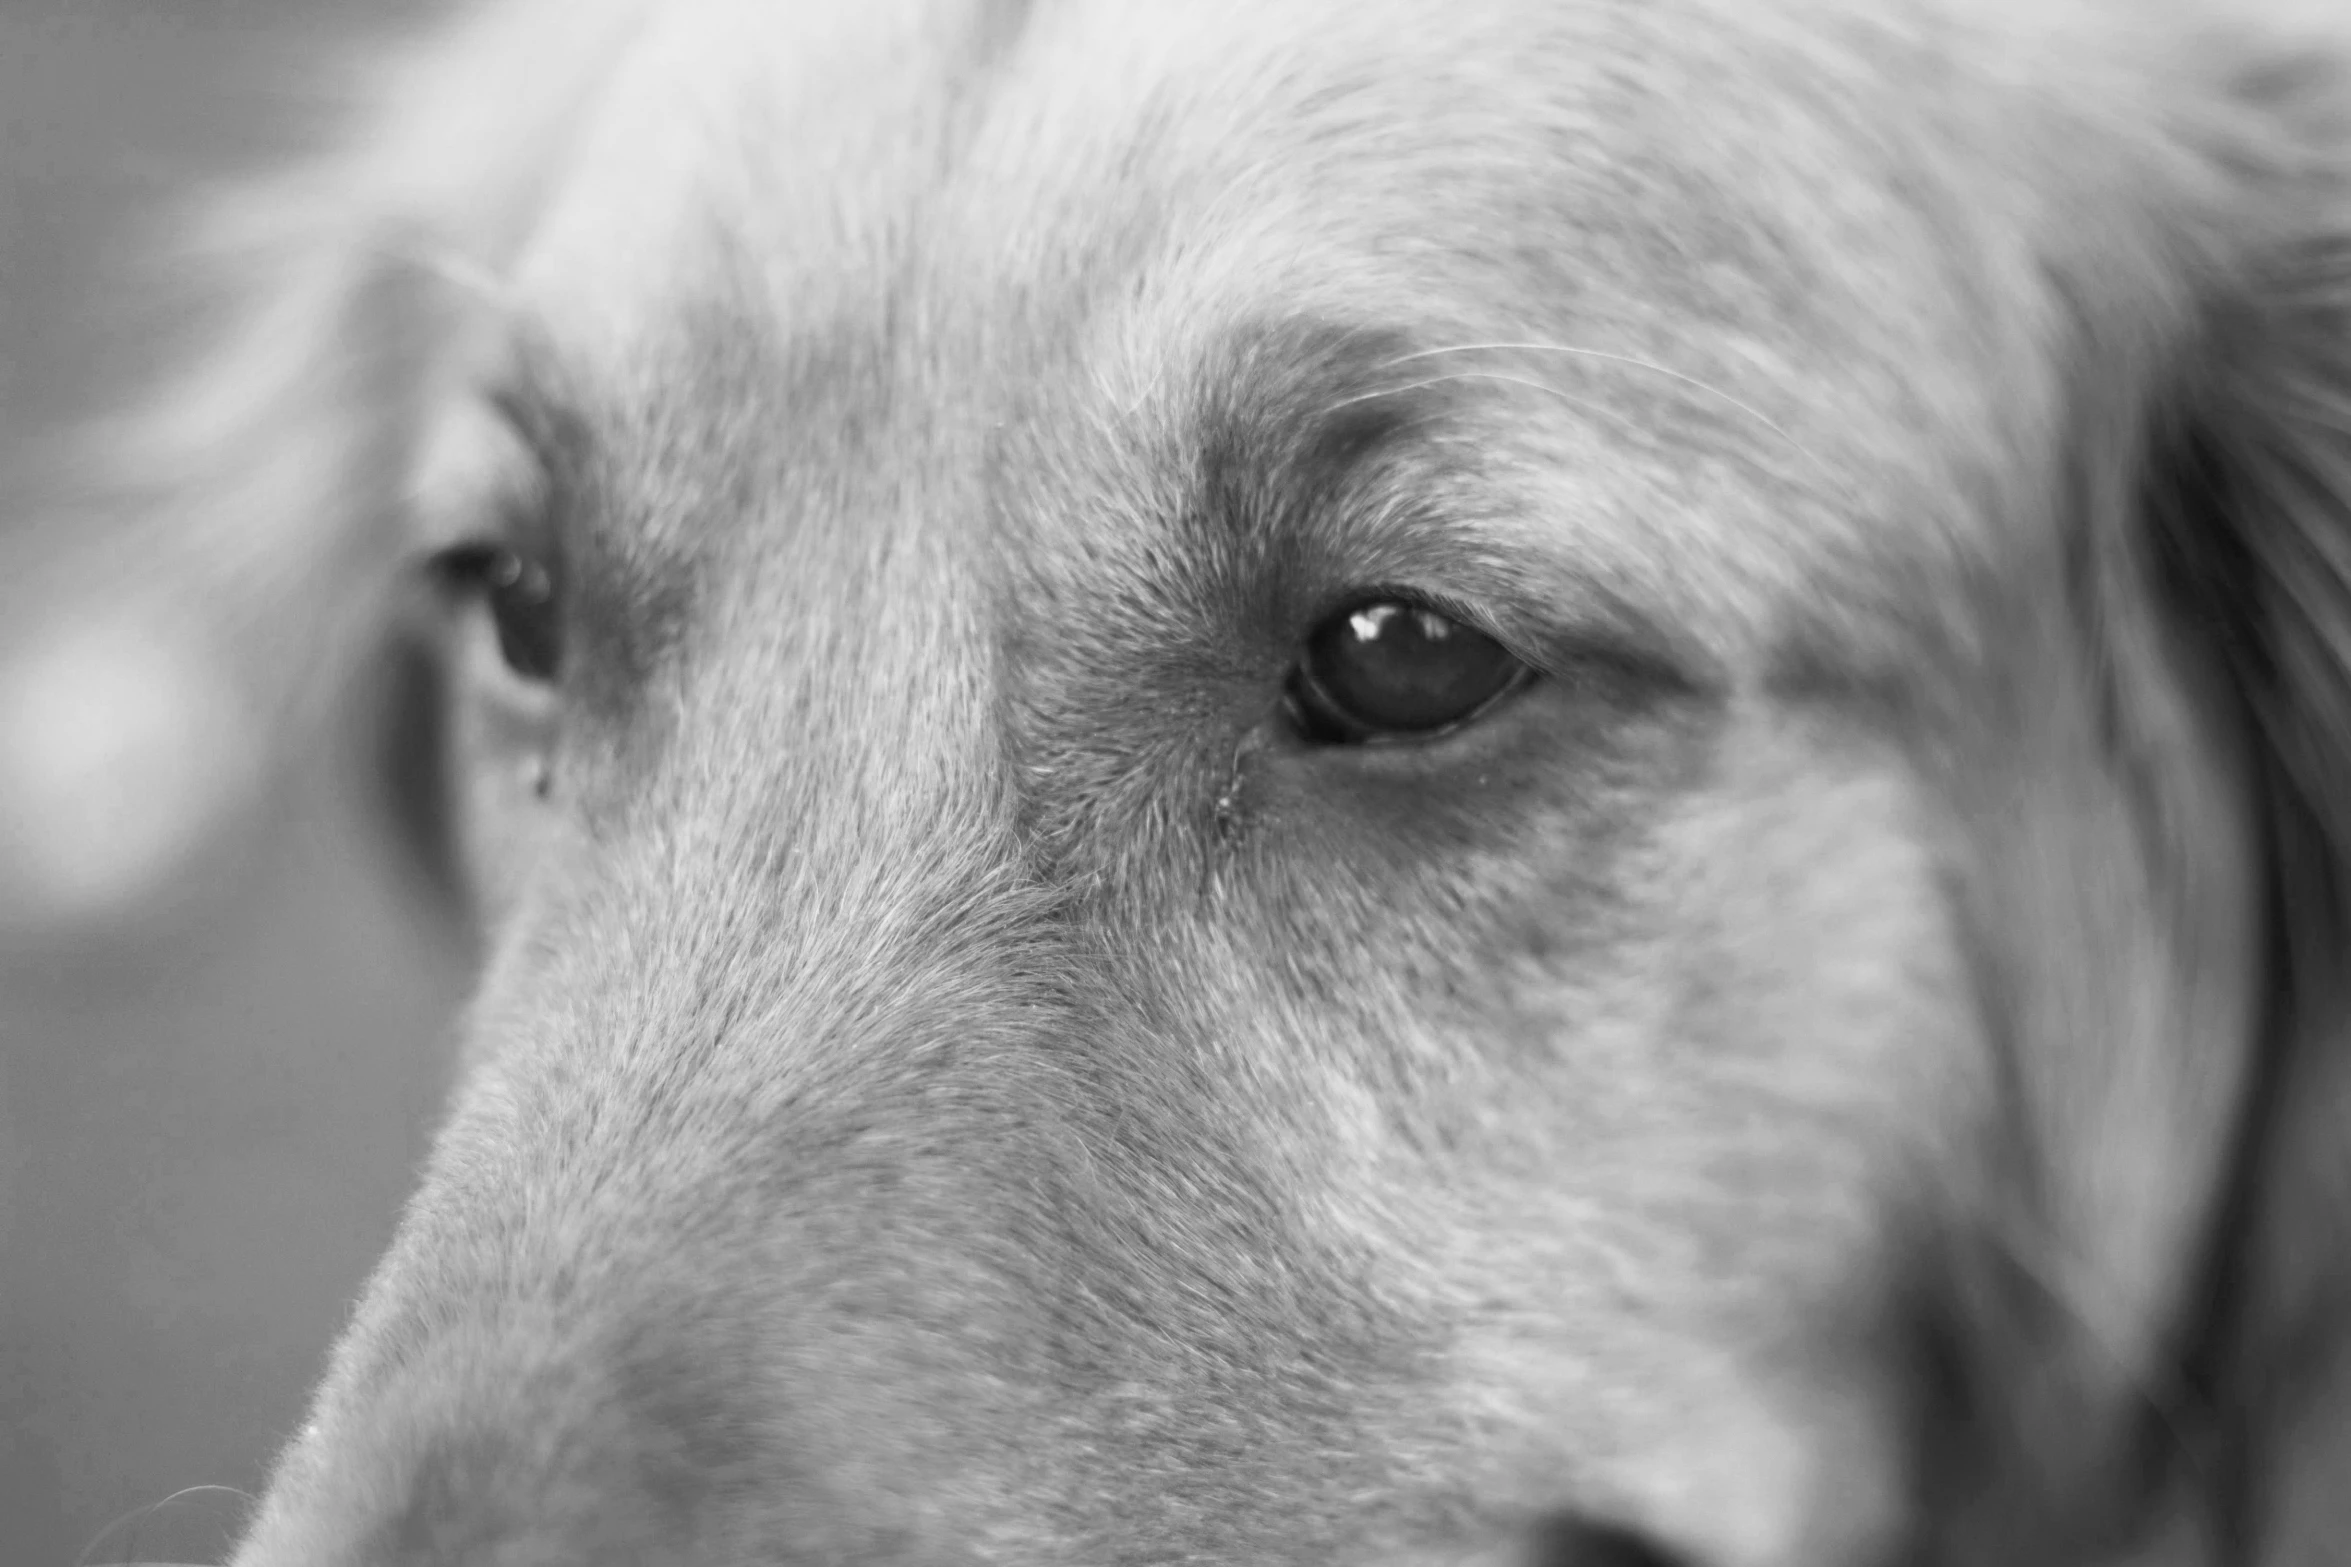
1388,783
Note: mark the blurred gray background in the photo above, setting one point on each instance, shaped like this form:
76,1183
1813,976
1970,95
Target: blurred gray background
209,1111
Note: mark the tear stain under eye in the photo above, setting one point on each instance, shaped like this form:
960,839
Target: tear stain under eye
1227,809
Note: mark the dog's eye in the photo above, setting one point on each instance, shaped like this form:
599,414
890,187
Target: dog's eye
1394,669
518,590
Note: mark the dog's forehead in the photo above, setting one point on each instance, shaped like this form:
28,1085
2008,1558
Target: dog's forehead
1014,142
1096,197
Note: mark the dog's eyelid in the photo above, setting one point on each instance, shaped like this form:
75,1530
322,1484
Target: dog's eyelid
1463,609
1627,645
543,425
479,480
524,396
1566,646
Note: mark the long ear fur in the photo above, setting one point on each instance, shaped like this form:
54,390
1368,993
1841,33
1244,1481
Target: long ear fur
216,563
2139,1349
2253,513
2242,543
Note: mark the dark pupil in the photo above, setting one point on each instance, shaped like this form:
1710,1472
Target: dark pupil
522,605
520,595
1392,667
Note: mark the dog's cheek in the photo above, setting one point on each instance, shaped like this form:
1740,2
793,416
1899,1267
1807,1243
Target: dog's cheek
1843,1078
1688,1254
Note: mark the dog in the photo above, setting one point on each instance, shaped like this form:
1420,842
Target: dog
1293,782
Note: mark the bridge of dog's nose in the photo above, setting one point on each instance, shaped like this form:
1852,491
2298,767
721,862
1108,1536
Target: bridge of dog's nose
523,1450
768,1294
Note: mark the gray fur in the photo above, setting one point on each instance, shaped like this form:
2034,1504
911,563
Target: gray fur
1848,1068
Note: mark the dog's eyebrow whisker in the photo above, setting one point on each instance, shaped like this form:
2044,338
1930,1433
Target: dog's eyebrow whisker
138,1515
1597,410
1633,361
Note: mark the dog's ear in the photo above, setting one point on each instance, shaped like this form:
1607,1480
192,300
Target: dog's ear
2249,507
2137,1346
2236,535
220,568
209,571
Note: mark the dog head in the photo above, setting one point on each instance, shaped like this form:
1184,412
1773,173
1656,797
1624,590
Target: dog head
1304,782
